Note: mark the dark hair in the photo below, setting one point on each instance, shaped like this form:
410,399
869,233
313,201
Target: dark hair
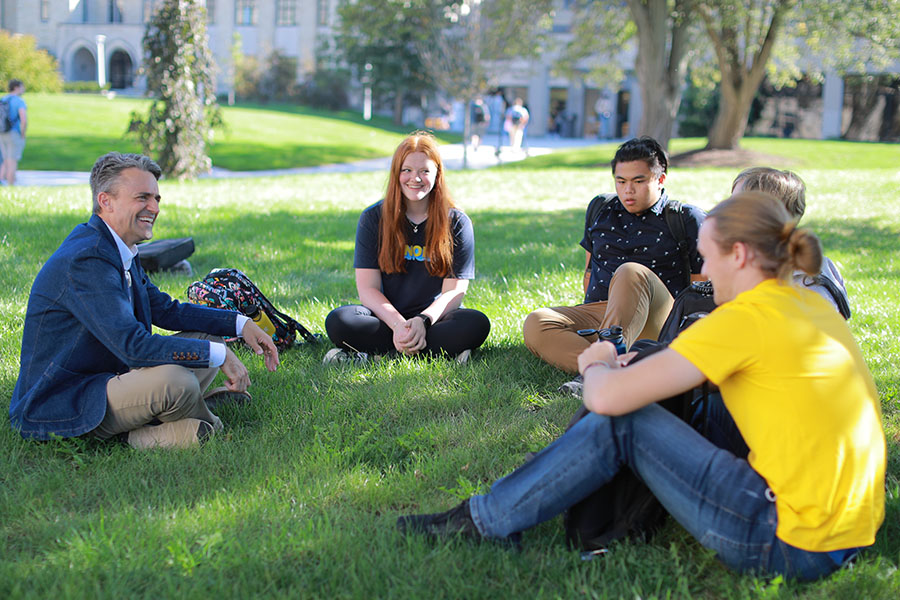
392,232
106,170
784,185
646,149
761,221
14,83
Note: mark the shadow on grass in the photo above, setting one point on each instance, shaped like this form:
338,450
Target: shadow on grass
317,248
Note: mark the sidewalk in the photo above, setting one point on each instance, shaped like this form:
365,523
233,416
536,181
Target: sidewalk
452,155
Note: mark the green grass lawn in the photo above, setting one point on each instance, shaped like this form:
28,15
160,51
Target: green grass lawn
299,497
67,132
793,154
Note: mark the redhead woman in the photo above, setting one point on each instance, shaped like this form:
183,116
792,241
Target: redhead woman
414,257
809,495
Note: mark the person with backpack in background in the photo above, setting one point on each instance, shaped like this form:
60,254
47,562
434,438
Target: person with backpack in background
516,120
811,493
13,126
414,257
641,250
790,189
481,118
90,363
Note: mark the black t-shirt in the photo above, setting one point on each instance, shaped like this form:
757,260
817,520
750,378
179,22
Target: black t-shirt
413,291
618,236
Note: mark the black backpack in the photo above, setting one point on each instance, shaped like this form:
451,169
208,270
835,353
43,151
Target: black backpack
478,113
6,121
625,506
232,290
673,212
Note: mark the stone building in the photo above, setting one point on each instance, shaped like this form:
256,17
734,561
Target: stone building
102,39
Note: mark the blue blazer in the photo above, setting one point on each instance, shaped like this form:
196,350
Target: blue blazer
82,329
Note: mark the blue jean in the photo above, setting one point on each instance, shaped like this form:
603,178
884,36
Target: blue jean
716,496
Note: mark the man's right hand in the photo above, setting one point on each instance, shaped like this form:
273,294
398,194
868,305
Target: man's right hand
237,379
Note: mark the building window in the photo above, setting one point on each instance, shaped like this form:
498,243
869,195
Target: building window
45,10
115,12
286,14
245,12
210,11
148,10
322,11
84,12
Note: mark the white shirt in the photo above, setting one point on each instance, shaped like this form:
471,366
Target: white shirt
216,350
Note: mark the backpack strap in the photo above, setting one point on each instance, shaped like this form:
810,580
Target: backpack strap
596,206
840,298
673,212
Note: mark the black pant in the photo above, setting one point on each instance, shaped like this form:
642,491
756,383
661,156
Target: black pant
355,327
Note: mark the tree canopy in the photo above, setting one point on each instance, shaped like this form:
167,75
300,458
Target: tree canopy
415,47
734,45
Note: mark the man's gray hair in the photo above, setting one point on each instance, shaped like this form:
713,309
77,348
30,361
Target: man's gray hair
106,170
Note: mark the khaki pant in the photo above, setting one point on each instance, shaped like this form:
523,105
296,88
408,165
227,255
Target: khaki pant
166,393
638,301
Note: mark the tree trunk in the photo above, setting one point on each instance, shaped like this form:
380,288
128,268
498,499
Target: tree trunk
739,81
730,122
660,66
864,98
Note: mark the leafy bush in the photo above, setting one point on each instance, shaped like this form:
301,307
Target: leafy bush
274,79
21,59
327,89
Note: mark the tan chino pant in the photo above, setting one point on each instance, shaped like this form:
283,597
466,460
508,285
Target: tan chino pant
166,393
638,301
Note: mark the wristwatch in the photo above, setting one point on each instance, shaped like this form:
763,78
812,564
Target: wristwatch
426,320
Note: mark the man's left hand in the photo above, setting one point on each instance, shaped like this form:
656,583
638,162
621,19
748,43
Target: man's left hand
261,343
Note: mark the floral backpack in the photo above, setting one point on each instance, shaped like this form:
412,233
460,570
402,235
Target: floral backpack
231,289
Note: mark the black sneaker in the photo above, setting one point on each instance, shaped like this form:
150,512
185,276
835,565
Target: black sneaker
456,521
574,387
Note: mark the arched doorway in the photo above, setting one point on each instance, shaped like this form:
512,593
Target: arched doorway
84,67
121,72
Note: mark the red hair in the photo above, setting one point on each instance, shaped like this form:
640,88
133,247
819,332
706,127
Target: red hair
392,233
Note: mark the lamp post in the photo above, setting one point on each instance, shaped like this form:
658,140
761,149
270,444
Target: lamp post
367,92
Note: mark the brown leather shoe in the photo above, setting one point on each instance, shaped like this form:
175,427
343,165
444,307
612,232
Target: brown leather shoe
174,434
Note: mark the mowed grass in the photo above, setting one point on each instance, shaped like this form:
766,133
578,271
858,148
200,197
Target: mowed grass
299,497
780,153
68,131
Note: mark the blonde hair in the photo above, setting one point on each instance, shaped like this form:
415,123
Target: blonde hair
762,222
784,185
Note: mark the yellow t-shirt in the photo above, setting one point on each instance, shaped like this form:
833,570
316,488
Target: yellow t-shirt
794,380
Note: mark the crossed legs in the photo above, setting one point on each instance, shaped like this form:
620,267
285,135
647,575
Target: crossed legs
638,301
159,406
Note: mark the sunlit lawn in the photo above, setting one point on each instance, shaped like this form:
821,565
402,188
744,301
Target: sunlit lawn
299,498
781,153
67,132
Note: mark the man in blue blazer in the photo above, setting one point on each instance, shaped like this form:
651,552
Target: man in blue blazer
90,363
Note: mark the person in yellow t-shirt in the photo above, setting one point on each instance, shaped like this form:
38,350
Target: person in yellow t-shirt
811,492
